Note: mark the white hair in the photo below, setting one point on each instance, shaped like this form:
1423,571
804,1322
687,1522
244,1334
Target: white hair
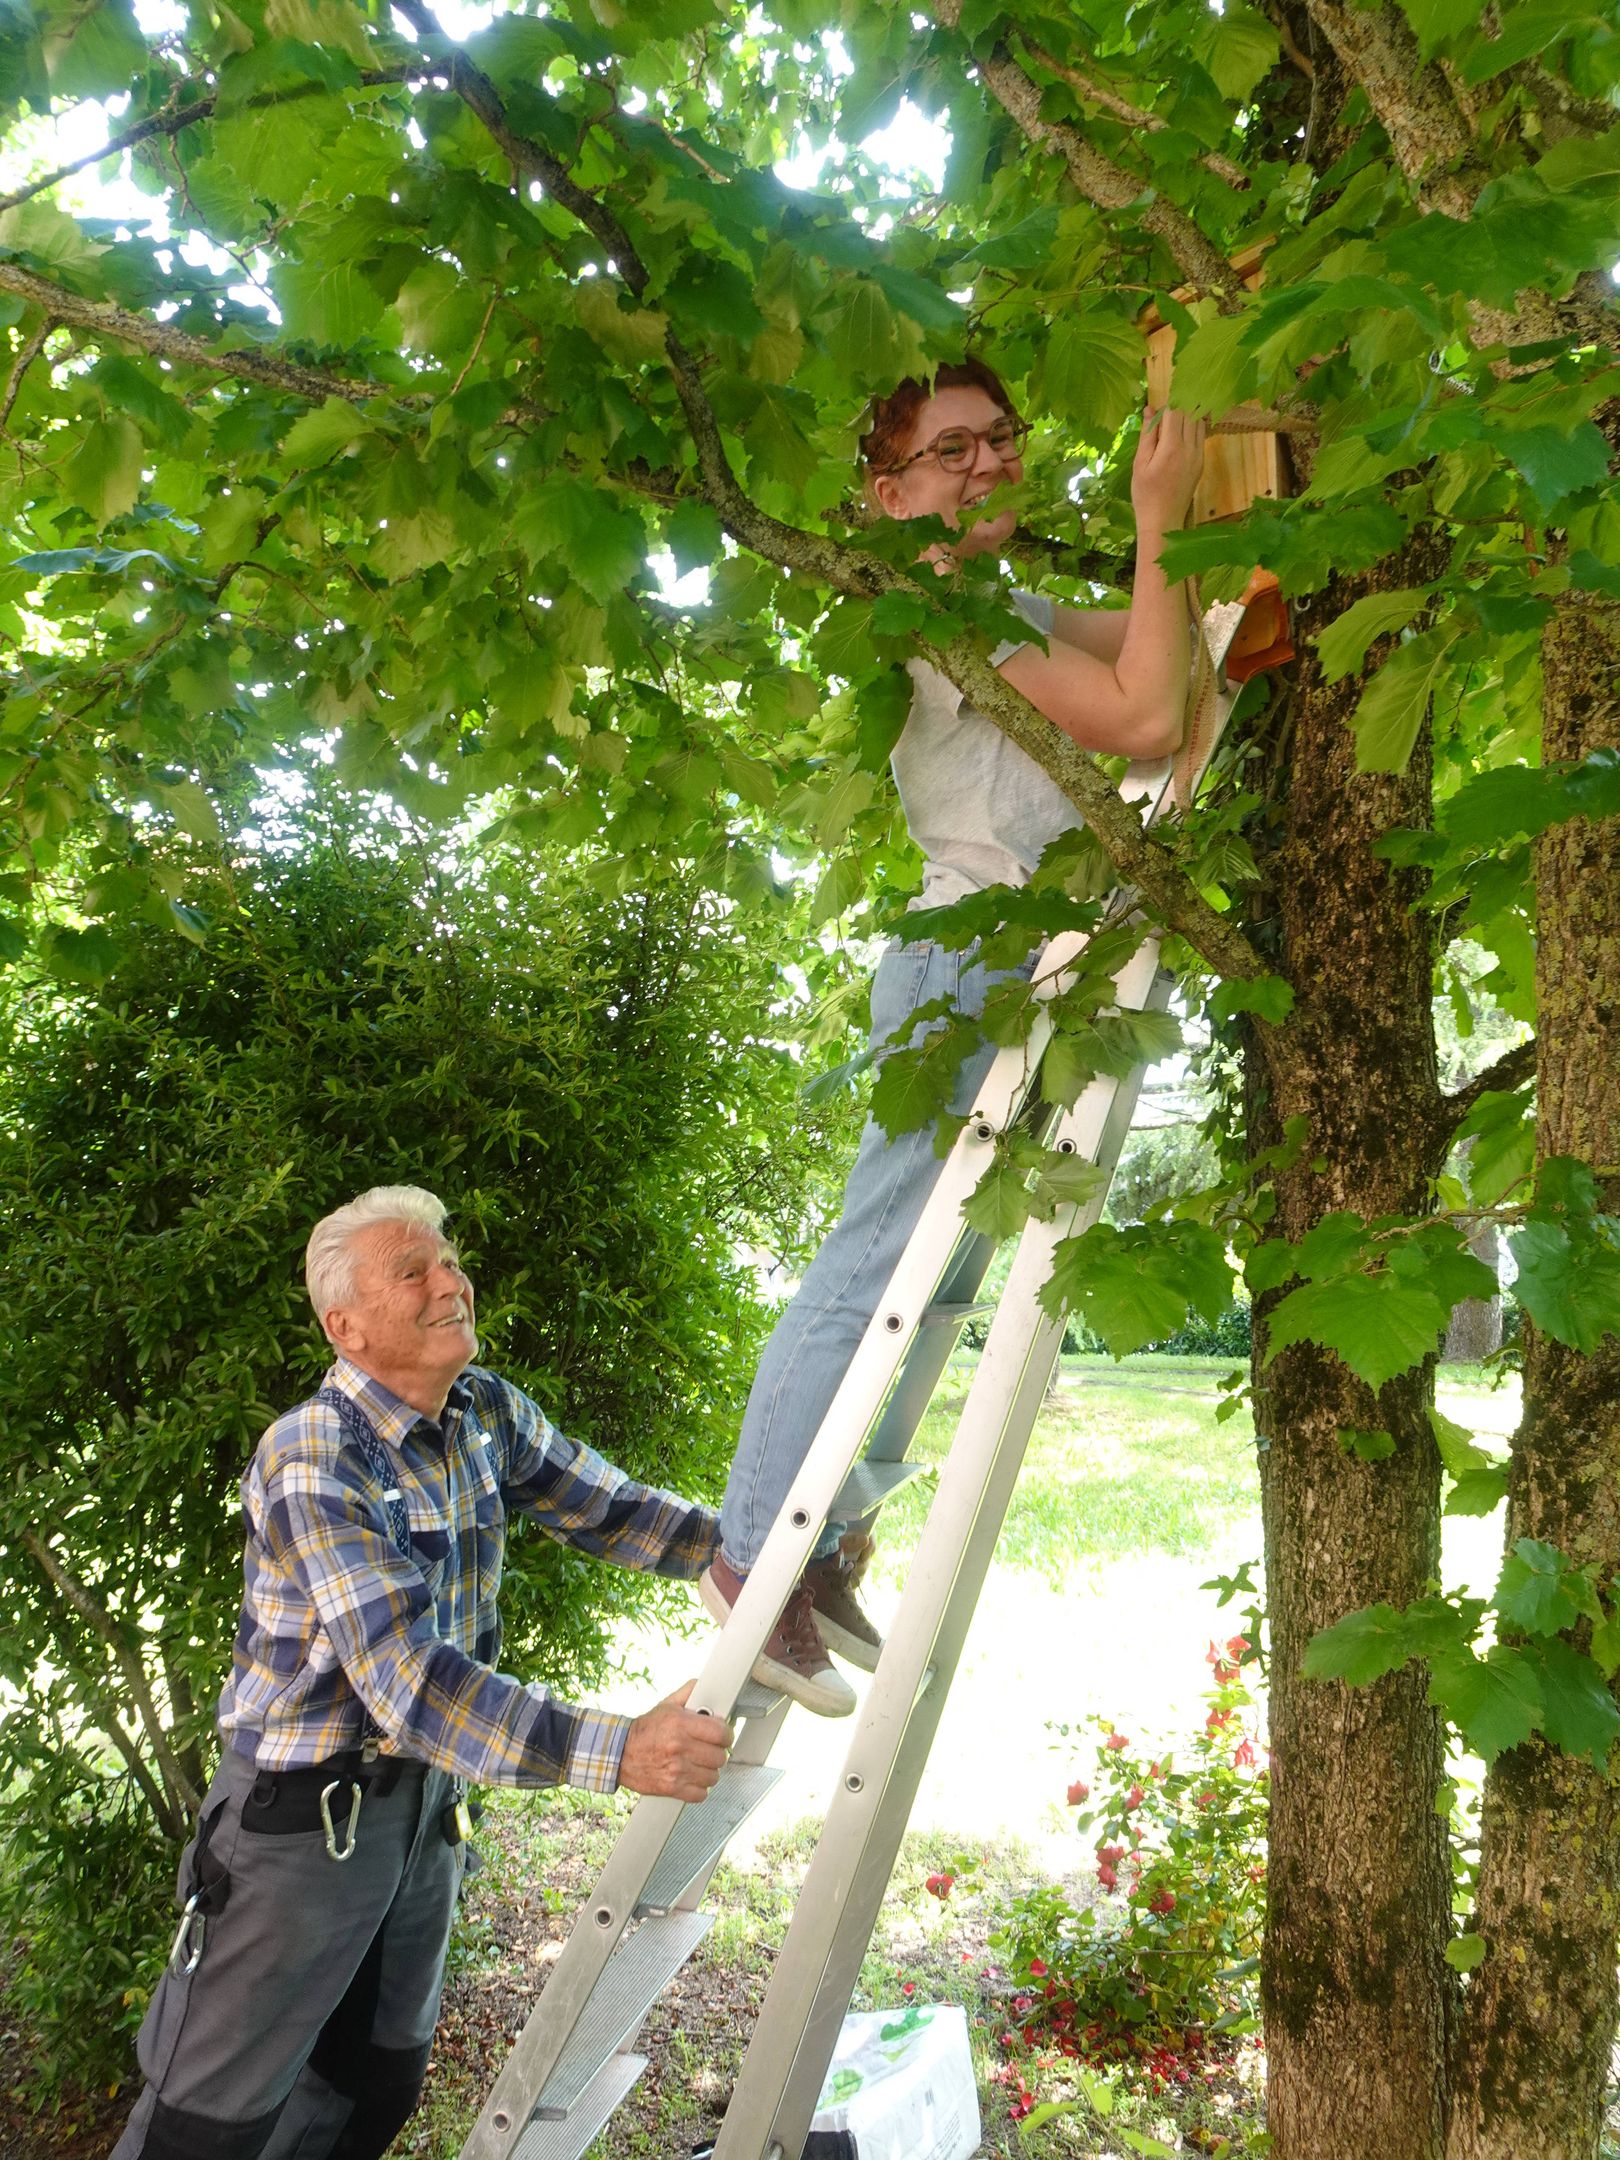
329,1255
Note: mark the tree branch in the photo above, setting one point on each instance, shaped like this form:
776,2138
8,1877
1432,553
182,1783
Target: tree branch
1511,1070
32,348
1098,93
170,119
1098,178
104,318
128,1661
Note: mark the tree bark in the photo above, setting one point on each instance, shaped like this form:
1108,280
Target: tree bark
1539,2019
1475,1332
1355,1989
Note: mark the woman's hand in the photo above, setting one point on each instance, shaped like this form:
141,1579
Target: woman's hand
1169,459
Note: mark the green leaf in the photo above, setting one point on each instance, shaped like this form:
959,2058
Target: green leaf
1360,1648
1579,1711
866,340
104,474
1569,1285
914,1086
999,1205
602,545
1134,1286
1478,1492
96,50
1556,464
318,436
693,535
39,229
80,956
1269,997
1494,1701
1238,47
1531,1593
1377,1324
1092,375
1395,703
1343,644
326,301
1370,1446
1213,371
1464,1952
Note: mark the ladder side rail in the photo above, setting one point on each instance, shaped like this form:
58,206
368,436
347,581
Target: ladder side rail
817,1966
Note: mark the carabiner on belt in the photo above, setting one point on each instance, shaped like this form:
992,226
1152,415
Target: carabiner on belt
334,1850
193,1925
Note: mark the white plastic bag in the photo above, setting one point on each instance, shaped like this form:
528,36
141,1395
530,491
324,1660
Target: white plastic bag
900,2087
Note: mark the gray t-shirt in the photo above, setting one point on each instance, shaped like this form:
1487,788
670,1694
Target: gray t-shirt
981,809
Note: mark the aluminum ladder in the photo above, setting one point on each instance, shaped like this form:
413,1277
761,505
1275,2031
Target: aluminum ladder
575,2059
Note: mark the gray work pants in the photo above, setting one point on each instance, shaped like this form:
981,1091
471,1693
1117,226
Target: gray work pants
305,2029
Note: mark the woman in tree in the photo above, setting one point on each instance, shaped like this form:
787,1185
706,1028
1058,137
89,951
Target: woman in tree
982,811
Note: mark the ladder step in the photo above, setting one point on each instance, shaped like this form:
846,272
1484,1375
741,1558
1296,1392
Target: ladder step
567,2140
753,1700
955,1315
869,1484
701,1834
637,1974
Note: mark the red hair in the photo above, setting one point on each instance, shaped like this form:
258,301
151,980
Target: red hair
890,419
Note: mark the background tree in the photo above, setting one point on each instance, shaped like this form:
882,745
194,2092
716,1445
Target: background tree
586,1082
545,307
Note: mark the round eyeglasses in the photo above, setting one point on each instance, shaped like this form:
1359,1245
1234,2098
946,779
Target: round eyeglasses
957,448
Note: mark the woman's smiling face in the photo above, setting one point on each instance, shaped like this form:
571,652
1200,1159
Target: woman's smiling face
926,489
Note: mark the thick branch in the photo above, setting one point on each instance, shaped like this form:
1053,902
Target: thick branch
128,1660
104,318
1099,93
1511,1070
1098,178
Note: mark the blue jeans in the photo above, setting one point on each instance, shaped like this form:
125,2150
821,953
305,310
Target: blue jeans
813,1342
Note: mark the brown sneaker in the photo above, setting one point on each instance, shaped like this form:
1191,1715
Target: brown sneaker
843,1624
794,1661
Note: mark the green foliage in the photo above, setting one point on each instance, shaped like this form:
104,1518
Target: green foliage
364,1011
1497,1695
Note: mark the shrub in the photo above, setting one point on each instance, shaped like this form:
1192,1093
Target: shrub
1179,1844
583,1078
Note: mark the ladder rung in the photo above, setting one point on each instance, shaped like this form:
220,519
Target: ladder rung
567,2140
954,1315
700,1835
869,1484
753,1700
636,1975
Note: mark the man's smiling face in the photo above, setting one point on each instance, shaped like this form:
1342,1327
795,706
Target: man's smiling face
410,1322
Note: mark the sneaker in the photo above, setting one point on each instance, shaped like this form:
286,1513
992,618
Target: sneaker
794,1661
843,1625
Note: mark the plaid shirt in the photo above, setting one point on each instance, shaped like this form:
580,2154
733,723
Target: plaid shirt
336,1623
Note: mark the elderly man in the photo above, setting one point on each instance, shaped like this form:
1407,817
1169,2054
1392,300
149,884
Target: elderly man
297,2010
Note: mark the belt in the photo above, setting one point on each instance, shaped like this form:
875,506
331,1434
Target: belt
286,1803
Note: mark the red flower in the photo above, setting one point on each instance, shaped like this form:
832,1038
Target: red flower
1038,1968
1108,1877
1117,1740
910,1988
1207,1797
1108,1854
1165,1902
1236,1647
1135,1797
940,1886
1243,1755
1079,1793
1218,1718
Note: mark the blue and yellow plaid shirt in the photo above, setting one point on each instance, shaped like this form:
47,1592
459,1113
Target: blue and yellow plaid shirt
337,1623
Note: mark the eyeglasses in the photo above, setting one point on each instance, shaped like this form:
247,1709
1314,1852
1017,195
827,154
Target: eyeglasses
957,448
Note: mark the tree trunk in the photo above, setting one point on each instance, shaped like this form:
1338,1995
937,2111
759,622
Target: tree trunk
1355,1990
1539,2018
1475,1332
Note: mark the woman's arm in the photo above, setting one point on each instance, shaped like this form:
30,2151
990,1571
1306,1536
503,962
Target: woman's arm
1098,631
1133,700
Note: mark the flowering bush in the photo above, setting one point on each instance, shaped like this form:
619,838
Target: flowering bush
1160,1963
